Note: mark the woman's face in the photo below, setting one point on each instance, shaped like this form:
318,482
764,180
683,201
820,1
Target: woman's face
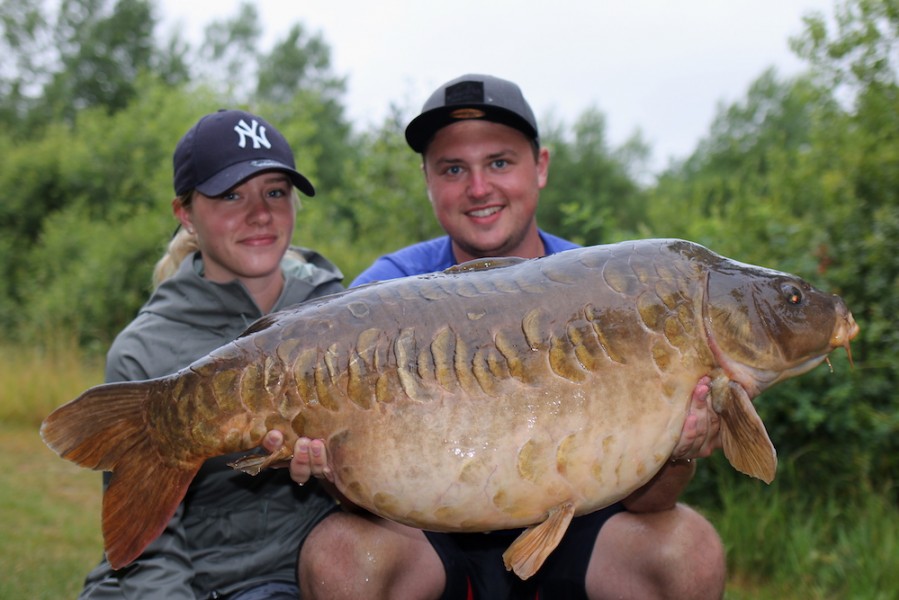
244,233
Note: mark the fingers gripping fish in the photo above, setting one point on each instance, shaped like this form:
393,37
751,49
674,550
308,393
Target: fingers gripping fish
501,393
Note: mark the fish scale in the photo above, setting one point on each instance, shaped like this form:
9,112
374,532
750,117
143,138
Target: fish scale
501,393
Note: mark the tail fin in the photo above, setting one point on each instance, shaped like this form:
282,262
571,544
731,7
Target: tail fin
105,429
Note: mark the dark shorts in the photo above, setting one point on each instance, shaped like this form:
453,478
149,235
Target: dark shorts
475,560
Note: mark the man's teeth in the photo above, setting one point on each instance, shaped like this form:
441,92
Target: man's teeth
484,212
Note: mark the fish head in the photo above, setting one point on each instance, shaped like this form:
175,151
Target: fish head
764,326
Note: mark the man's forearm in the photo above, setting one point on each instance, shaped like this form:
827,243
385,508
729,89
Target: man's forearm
663,490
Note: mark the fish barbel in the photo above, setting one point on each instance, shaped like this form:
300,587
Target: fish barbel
500,393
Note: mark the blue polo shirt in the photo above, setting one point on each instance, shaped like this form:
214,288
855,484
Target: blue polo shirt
431,256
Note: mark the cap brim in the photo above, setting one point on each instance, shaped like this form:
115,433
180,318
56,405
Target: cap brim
231,176
423,127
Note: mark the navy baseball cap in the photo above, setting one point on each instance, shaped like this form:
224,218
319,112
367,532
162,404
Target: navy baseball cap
225,148
472,97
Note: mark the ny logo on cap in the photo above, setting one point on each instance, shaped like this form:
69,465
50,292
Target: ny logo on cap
254,132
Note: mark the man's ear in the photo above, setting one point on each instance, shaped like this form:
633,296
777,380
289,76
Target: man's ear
542,167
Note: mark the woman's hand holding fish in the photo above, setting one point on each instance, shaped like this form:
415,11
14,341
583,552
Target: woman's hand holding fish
309,457
310,460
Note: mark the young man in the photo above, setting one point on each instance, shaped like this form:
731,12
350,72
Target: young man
484,169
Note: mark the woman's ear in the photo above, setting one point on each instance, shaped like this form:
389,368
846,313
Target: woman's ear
182,213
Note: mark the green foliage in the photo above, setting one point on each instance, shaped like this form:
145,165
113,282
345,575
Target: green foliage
591,196
89,277
380,206
86,53
106,181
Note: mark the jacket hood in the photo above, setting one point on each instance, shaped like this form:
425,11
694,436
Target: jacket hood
189,316
190,299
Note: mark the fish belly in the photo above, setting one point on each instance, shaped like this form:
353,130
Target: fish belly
460,462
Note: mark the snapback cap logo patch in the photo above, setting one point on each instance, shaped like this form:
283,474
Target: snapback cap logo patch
465,92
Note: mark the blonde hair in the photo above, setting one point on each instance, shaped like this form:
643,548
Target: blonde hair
181,245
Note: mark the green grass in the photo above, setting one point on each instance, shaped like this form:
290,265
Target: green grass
786,543
781,543
50,519
49,508
37,380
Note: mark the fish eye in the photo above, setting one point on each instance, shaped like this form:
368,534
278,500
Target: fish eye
792,294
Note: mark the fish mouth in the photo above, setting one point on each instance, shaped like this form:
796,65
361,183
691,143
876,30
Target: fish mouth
845,331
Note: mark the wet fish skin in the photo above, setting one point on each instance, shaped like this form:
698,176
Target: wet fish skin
502,393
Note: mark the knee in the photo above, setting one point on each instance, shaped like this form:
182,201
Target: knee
328,560
691,557
672,554
326,555
351,556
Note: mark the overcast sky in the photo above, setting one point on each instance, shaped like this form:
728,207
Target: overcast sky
662,66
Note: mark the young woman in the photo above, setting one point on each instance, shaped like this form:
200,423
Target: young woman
231,262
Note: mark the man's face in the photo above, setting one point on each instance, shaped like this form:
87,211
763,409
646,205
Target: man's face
484,182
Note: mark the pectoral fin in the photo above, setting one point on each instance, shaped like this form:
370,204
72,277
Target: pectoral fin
743,435
527,553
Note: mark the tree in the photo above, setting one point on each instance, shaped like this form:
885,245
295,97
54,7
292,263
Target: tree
88,53
747,170
381,205
858,156
296,69
592,195
103,107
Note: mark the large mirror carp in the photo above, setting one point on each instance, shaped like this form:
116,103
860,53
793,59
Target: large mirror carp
501,393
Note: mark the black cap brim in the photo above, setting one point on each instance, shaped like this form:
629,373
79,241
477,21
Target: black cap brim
232,176
423,127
